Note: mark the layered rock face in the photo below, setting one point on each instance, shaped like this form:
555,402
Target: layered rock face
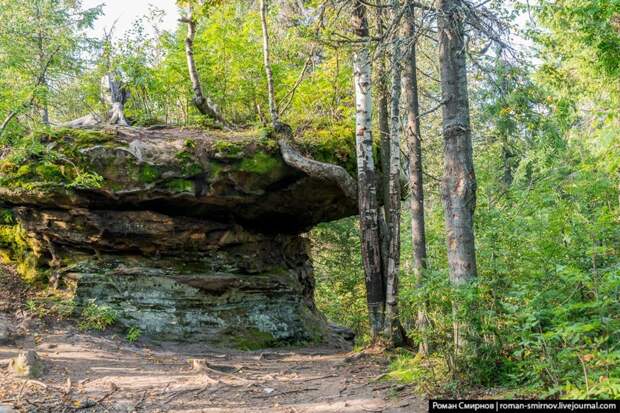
188,235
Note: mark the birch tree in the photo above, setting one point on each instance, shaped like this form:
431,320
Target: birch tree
366,176
320,170
273,109
201,101
393,330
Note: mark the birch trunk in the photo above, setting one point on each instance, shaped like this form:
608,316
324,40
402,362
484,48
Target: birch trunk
367,193
392,324
459,180
201,102
414,144
273,110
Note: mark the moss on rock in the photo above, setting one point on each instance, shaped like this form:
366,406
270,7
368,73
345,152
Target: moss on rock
148,173
260,163
180,185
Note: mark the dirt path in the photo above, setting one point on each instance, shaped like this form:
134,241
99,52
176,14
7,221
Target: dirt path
125,378
104,373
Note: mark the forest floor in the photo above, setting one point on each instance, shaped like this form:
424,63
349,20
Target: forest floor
104,373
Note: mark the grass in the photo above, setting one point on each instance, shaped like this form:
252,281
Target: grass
133,334
427,374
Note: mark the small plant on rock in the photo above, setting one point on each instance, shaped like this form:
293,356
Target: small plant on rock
97,317
134,334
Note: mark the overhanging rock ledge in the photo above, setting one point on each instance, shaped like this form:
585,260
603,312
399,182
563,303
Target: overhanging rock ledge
188,234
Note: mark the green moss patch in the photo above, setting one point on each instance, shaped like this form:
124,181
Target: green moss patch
148,173
180,185
49,158
253,339
334,145
81,137
260,163
16,249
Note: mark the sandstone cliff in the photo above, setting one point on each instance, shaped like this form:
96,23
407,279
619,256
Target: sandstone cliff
187,234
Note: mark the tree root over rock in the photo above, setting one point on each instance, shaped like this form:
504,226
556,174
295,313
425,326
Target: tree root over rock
319,170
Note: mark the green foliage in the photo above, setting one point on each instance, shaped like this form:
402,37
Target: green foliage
228,148
96,317
584,32
543,314
340,289
148,173
42,42
51,304
429,375
32,161
16,249
86,180
133,334
180,185
7,217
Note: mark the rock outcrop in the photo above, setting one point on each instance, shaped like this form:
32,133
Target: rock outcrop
186,234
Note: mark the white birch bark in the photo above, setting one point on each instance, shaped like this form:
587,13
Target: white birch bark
367,191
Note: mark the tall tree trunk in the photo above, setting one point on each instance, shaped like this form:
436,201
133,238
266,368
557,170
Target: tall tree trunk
414,143
384,140
42,81
506,163
201,102
273,109
459,180
392,324
367,194
45,113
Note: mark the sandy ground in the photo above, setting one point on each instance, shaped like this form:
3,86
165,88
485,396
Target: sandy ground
104,373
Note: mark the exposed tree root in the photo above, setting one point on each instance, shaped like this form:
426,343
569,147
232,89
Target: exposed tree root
320,170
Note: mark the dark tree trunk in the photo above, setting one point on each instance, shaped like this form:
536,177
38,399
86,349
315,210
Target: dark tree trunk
367,193
414,144
384,140
459,180
393,330
506,164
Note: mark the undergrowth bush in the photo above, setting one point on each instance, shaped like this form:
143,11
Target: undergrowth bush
544,312
97,317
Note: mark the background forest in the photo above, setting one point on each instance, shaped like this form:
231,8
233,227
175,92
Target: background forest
544,91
